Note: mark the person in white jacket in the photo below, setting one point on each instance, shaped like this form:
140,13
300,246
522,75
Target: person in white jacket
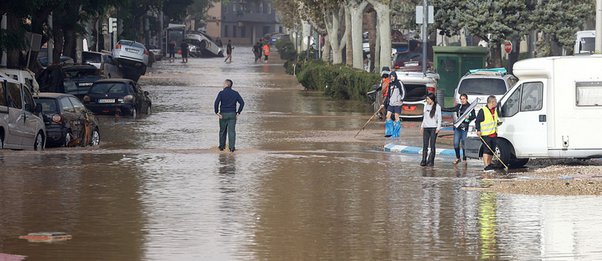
431,124
394,100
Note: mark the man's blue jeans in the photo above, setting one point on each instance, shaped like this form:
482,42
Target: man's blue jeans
227,126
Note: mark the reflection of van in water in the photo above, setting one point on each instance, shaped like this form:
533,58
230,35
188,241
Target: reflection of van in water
552,112
21,126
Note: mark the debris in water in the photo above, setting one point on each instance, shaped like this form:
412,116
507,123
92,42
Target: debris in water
46,237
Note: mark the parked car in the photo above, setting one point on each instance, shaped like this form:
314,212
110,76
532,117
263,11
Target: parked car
132,58
21,126
202,45
156,51
104,62
480,83
63,60
79,78
68,122
118,96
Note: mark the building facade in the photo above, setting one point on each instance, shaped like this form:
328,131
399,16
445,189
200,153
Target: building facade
242,21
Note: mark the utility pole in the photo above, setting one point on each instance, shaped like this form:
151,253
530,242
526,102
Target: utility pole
425,14
598,26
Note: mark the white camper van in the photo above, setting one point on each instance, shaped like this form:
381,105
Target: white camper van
585,42
553,111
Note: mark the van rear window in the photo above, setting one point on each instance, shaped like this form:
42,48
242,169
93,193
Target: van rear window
589,94
103,88
483,86
2,95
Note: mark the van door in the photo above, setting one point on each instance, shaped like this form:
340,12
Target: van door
4,115
524,118
31,121
16,130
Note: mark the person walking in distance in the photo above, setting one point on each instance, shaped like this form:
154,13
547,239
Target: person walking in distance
461,131
486,125
171,49
266,51
431,124
257,51
225,109
184,49
229,52
394,99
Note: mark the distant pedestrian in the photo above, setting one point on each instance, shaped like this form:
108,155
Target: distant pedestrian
394,100
461,131
266,51
171,49
486,125
225,109
184,48
229,52
431,124
257,51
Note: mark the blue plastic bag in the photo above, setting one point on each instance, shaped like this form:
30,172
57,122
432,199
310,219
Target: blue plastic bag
396,129
388,128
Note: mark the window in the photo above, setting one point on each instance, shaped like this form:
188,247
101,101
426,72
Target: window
226,31
532,97
66,105
266,30
48,105
589,94
243,31
234,31
2,95
77,104
14,96
511,106
30,105
260,9
269,8
482,86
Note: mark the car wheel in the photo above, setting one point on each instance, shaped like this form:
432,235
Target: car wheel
67,139
134,113
95,139
38,144
504,151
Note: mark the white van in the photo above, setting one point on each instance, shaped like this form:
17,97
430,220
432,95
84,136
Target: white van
554,111
585,42
21,125
25,77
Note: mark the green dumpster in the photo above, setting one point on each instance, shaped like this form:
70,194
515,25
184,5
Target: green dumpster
452,62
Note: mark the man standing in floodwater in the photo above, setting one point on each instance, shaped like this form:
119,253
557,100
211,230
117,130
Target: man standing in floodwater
226,111
229,52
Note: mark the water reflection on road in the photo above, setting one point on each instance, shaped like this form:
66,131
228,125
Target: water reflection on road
300,187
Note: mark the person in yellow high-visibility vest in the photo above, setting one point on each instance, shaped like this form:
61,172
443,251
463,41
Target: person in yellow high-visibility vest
486,124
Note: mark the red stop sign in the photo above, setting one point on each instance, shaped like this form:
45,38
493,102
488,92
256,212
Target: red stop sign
508,47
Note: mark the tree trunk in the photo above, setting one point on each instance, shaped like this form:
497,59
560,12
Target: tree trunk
326,51
377,48
349,43
58,45
357,12
513,56
384,27
69,47
333,23
13,56
372,36
495,57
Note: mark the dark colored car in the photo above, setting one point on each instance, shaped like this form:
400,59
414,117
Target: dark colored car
68,122
79,78
118,96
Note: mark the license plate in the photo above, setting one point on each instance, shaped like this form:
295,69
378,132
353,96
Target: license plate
85,84
131,50
106,100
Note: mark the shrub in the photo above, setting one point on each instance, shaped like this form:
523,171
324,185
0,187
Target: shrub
286,49
337,81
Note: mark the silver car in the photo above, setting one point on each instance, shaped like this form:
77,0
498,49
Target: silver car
21,126
131,56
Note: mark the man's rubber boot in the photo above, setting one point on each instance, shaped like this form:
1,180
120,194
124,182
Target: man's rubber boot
424,154
396,128
388,128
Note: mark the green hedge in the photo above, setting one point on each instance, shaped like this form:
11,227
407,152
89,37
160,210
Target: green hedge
337,81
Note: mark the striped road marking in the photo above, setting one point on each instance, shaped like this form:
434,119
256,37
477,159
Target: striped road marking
392,147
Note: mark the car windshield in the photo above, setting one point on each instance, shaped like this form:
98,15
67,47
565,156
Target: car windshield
483,86
81,73
48,105
108,87
91,57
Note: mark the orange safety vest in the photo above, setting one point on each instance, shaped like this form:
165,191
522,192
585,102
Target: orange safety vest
266,50
385,86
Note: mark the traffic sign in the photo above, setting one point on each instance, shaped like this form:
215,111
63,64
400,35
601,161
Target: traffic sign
112,25
508,47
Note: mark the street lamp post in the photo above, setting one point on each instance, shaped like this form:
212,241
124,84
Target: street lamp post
598,26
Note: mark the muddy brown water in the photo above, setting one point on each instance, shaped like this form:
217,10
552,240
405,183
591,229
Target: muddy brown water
299,187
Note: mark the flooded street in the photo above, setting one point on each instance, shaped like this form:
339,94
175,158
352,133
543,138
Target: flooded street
298,187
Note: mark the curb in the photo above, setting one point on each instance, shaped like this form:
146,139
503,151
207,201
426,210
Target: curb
392,147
